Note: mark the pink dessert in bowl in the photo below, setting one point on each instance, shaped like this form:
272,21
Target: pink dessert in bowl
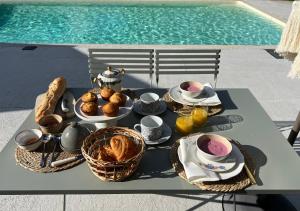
213,147
191,88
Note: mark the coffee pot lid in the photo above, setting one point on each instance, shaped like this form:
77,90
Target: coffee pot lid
73,135
111,75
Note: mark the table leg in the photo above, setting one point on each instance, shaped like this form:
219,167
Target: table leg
64,203
234,202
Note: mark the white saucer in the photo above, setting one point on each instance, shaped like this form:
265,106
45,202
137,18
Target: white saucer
208,98
232,170
166,135
137,107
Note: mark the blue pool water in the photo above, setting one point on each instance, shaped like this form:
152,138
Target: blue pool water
211,24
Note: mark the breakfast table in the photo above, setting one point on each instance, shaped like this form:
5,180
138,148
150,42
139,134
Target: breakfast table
243,119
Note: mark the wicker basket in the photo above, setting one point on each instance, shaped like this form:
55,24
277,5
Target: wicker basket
111,171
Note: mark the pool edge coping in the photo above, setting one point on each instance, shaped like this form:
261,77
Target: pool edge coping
134,46
265,14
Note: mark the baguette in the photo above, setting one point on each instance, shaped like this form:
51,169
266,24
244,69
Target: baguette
55,91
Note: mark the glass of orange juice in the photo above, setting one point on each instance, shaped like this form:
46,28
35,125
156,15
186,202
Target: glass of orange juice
199,116
184,124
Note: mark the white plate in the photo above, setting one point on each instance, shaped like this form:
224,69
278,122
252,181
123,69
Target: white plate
166,135
100,117
222,175
137,107
208,98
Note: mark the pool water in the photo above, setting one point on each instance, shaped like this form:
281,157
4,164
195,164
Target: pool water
210,24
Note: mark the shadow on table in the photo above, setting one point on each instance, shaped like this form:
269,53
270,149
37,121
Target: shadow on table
226,100
158,157
220,123
259,159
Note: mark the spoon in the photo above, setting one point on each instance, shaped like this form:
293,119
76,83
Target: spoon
45,140
56,140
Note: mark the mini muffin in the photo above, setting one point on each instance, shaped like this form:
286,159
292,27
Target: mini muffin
110,109
118,99
106,93
90,108
89,97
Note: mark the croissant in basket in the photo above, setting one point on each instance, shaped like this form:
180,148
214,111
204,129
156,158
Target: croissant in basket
121,148
106,154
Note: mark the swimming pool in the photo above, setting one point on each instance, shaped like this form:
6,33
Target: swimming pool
210,24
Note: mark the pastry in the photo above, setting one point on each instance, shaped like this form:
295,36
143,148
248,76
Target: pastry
90,108
106,93
118,99
110,109
106,154
55,91
122,147
89,97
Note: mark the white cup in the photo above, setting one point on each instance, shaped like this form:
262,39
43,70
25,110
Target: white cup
150,127
149,102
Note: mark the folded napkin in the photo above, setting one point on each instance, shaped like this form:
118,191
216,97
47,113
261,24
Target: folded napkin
194,172
211,98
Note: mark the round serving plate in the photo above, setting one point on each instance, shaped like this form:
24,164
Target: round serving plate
100,118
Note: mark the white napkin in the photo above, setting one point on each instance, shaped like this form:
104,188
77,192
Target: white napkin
213,99
194,172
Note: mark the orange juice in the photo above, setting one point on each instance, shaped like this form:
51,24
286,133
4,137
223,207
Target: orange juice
199,116
184,124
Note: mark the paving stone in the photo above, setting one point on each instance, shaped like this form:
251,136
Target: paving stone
142,202
31,203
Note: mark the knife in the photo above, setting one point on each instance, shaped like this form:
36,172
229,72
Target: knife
66,160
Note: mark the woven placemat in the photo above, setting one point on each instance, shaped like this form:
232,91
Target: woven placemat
31,160
179,108
239,182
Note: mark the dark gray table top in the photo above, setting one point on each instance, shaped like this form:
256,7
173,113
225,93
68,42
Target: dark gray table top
243,119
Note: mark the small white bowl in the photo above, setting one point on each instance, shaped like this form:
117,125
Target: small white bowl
29,140
202,150
51,124
196,90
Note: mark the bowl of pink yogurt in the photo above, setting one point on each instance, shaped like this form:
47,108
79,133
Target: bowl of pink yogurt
213,147
191,88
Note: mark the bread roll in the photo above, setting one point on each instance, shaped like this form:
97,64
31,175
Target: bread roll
110,109
106,93
89,97
118,98
90,108
122,147
55,91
